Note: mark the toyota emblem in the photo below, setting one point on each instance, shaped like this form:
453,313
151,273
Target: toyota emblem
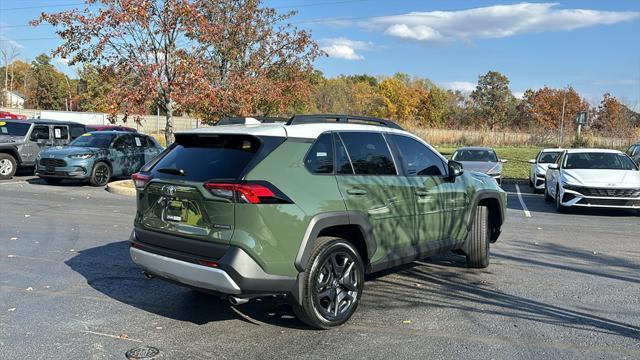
169,190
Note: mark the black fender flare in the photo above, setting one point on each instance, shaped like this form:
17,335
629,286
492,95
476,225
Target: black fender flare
328,219
13,151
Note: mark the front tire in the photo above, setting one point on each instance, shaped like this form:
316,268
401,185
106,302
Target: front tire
559,207
100,174
478,240
332,285
8,166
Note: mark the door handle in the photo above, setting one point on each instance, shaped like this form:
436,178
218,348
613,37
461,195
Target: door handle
422,193
356,192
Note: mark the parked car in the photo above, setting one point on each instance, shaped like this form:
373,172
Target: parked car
539,167
593,178
22,140
305,209
480,159
97,157
11,116
110,128
634,152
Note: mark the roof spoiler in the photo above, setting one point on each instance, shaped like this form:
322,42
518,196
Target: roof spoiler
347,119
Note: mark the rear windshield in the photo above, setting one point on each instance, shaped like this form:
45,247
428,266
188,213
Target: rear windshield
596,161
14,128
202,158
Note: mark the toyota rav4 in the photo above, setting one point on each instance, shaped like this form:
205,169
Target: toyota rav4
305,209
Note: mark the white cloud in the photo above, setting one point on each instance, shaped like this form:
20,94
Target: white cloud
518,94
6,42
492,22
462,86
343,48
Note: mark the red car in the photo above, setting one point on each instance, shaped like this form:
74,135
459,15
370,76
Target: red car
109,128
8,115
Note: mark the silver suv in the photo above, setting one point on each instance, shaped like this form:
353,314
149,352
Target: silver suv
22,140
634,152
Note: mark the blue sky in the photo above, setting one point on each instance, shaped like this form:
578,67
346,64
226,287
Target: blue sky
593,46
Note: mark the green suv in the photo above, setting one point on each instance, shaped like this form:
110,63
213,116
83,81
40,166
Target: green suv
305,209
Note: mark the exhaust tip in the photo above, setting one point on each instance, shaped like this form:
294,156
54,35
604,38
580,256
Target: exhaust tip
237,301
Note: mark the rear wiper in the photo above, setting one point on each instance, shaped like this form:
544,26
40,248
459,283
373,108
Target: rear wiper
171,171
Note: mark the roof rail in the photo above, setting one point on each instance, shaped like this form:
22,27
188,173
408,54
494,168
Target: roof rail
249,120
353,119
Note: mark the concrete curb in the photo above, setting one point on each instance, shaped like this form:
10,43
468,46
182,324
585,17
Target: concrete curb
120,188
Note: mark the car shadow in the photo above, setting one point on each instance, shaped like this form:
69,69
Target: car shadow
109,270
434,284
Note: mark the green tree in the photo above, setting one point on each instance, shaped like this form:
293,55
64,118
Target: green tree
493,99
94,88
49,88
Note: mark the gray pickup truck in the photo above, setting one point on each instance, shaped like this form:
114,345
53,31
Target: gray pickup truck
22,140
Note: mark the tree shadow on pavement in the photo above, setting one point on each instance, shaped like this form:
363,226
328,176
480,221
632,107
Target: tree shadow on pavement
109,270
437,284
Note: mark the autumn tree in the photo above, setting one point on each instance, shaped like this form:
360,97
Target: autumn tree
215,58
543,108
493,99
96,83
614,118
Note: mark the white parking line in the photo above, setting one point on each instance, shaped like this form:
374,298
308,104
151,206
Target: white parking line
524,207
12,182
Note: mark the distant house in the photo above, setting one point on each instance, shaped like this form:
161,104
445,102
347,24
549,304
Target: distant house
13,99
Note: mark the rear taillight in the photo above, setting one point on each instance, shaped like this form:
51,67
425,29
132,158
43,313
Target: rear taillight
140,180
213,264
250,193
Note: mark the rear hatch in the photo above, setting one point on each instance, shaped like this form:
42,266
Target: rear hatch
191,190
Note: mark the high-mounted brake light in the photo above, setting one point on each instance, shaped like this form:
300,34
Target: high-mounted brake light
140,180
252,193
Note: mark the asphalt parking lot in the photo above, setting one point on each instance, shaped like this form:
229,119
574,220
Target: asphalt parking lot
559,287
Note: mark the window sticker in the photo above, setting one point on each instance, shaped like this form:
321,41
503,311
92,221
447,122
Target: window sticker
86,134
57,133
138,142
321,154
3,123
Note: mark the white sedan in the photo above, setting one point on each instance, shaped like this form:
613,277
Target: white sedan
539,167
593,178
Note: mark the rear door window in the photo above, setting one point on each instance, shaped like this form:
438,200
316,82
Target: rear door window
369,153
209,157
40,132
60,132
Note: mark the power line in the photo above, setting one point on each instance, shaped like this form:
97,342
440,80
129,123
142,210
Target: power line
40,6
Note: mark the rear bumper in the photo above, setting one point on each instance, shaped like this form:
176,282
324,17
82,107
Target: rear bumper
236,272
185,273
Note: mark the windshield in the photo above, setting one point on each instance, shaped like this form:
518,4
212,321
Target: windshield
548,157
475,155
93,140
14,128
608,161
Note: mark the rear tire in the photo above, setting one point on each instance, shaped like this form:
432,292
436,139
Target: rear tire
478,240
100,174
52,181
8,166
332,284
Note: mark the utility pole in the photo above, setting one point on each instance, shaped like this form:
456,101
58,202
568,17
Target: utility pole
564,101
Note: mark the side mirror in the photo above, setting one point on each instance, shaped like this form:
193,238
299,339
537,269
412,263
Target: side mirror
455,169
553,167
532,161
